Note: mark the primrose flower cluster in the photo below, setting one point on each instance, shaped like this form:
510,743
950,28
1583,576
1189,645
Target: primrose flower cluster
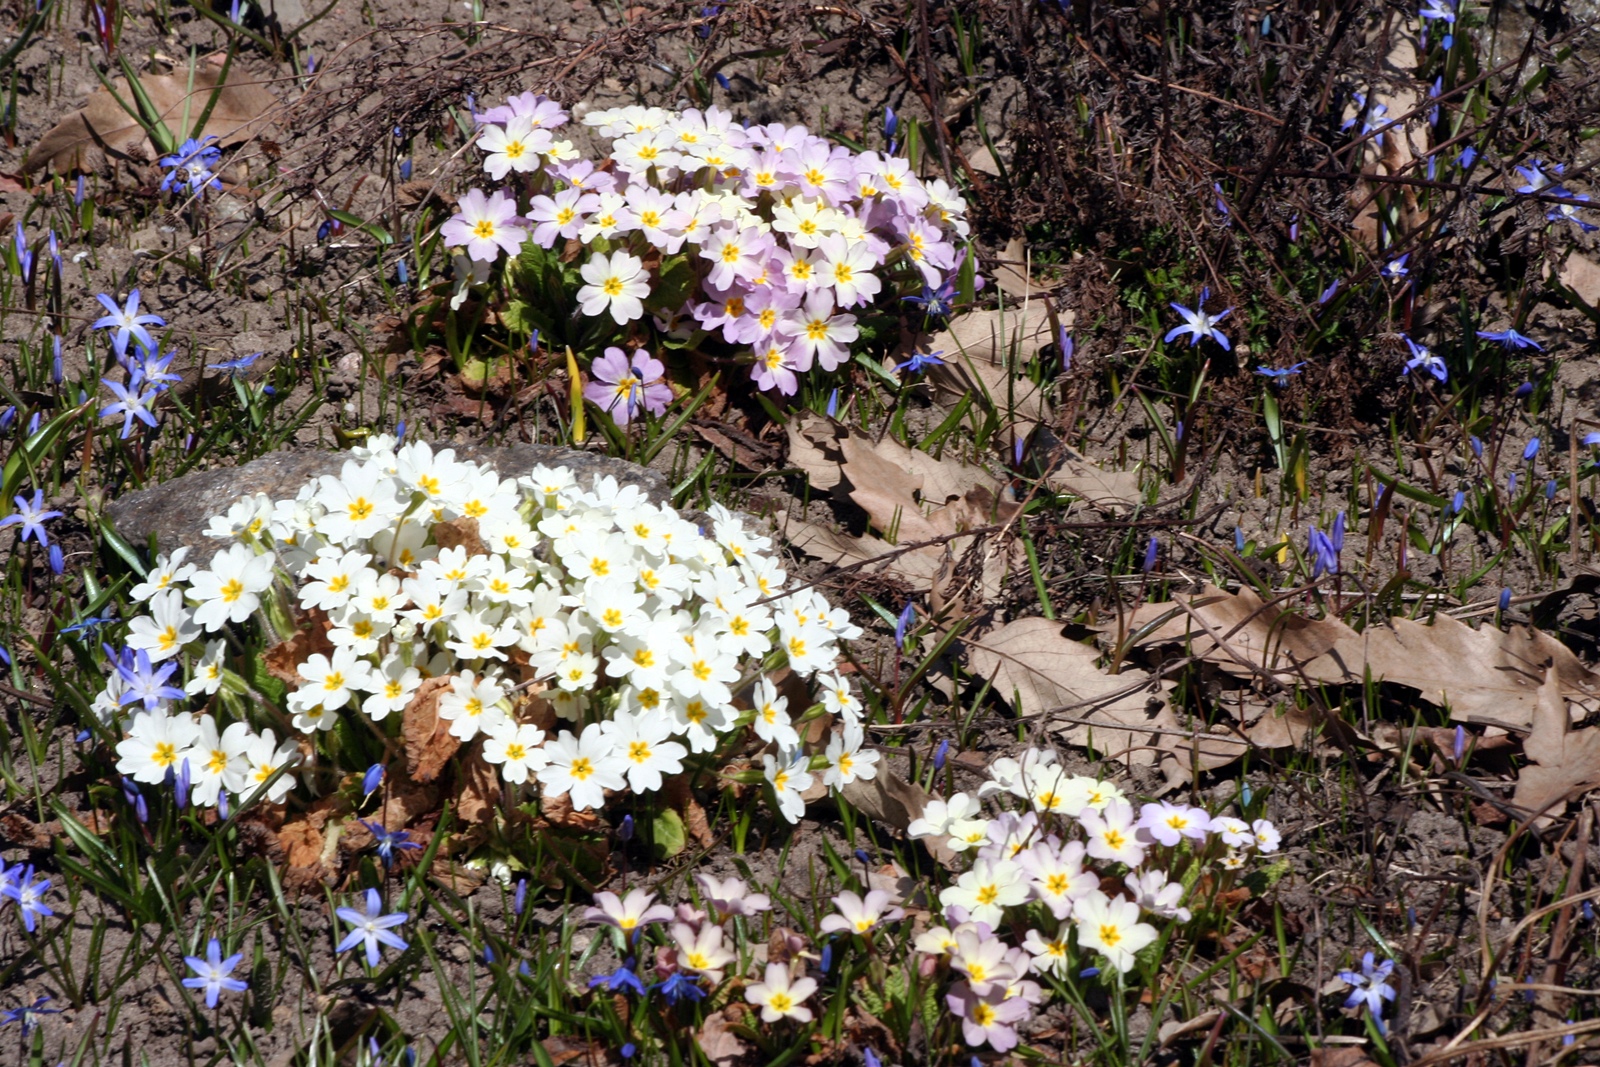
517,604
784,231
1050,860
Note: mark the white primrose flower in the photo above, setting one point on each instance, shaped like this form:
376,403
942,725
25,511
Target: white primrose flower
987,889
514,147
230,590
1111,926
583,768
788,776
938,815
472,705
772,723
1050,955
641,740
516,748
165,572
331,681
392,686
217,763
358,503
1111,834
167,628
266,758
155,744
702,950
206,676
847,761
858,915
617,284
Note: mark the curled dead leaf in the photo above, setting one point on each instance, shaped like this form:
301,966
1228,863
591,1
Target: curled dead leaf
477,788
82,140
1566,761
429,743
460,533
1488,676
283,659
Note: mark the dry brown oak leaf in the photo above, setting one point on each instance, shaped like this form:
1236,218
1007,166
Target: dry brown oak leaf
82,140
1041,672
1486,676
1566,761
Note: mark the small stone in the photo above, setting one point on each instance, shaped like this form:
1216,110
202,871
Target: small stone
178,512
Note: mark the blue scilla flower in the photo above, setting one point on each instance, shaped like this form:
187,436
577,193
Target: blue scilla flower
190,167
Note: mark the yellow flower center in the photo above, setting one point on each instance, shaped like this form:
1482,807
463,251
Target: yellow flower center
165,754
1110,936
582,768
232,590
483,228
613,286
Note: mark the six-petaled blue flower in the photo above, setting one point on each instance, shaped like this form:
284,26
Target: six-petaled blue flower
214,974
1370,987
1198,324
32,516
372,927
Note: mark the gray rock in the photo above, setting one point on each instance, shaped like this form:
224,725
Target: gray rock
178,512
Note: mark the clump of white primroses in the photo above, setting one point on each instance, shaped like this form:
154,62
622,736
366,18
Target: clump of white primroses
1050,859
640,642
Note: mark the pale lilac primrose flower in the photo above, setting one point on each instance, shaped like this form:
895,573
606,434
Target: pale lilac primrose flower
372,927
485,226
1198,324
214,974
702,950
126,322
624,386
988,1018
1169,824
731,897
858,915
1152,892
1370,987
32,517
781,997
1424,358
630,913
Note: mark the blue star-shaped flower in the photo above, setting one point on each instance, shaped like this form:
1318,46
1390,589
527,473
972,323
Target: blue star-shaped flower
1198,324
1510,338
32,516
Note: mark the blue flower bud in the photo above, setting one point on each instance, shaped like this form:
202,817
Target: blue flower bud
372,779
627,1050
1477,446
402,272
181,786
1238,539
722,80
1459,748
625,831
520,900
940,754
833,404
1458,502
400,433
1089,972
222,804
861,854
1505,600
1150,551
1245,794
1530,450
1523,390
1550,489
77,195
57,563
488,954
83,735
405,170
826,962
